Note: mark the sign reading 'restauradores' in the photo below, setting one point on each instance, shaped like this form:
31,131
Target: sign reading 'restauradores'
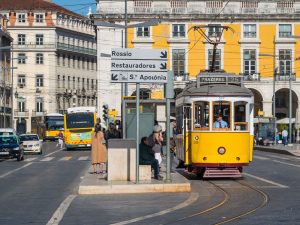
139,66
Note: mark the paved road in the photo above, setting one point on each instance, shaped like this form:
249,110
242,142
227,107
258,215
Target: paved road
43,190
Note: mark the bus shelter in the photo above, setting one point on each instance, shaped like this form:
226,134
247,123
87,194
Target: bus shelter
264,130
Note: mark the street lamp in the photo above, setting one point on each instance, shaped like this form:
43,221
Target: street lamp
274,93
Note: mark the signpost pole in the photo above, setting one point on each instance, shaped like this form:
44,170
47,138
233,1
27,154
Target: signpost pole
137,131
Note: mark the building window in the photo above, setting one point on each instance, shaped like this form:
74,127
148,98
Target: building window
58,81
214,30
285,62
21,105
39,18
39,80
143,32
74,82
39,58
21,58
64,60
39,104
178,62
178,30
39,38
83,63
78,83
249,61
78,62
21,80
217,59
21,39
74,59
250,31
69,61
64,82
69,82
285,30
22,18
92,86
87,84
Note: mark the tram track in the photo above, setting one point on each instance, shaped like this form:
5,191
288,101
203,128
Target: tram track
225,200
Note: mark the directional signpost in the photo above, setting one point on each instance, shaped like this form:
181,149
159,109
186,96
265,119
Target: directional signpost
139,66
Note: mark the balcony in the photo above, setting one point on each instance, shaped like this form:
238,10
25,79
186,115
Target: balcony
77,49
18,113
286,77
251,77
38,114
34,46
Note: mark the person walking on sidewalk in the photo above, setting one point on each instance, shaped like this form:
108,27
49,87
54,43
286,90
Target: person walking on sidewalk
284,134
99,151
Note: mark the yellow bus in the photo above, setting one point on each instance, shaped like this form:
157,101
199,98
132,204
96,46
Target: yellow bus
79,125
54,123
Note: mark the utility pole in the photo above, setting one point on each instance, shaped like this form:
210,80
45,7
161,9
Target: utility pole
4,93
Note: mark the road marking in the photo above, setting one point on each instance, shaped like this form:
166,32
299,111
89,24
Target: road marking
61,210
54,152
290,164
192,198
66,158
30,159
260,157
265,180
83,158
47,159
15,170
279,157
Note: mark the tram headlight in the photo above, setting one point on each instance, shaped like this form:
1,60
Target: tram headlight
221,150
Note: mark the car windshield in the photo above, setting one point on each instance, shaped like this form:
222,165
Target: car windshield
5,133
8,140
29,138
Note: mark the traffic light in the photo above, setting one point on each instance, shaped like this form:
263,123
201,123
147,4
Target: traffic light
105,112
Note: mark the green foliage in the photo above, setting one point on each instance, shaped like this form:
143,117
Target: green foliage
281,127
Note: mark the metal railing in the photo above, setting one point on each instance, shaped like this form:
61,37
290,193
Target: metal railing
36,113
34,46
18,113
251,77
285,77
73,48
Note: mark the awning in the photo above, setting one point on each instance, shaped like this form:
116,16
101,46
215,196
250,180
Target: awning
285,121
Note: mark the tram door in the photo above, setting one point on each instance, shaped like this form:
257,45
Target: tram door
187,123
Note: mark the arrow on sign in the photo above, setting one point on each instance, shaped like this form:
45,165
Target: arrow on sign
114,77
164,55
163,66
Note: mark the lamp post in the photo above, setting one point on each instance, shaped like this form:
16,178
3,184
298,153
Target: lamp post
274,93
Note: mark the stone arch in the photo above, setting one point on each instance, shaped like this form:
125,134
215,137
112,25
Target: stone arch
282,103
258,101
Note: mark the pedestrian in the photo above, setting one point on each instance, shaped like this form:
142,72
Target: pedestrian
172,143
147,158
99,151
60,140
155,141
284,135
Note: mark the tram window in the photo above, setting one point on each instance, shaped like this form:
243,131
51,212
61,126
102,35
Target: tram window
201,115
179,120
240,117
221,108
187,117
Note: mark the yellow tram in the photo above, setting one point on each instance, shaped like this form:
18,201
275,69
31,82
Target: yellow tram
215,133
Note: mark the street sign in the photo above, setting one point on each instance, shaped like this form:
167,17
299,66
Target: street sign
139,66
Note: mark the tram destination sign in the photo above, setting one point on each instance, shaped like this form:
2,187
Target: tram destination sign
219,79
139,66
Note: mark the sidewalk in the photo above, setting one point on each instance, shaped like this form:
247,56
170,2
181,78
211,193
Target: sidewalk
280,149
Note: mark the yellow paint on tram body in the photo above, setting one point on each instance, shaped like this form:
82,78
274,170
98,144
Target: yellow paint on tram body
206,144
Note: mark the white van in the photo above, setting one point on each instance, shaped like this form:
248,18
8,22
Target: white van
7,131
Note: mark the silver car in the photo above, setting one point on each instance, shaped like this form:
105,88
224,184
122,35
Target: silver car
31,143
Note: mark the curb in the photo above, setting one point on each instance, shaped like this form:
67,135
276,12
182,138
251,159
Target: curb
273,150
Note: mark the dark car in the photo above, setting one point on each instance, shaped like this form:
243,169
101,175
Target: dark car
10,147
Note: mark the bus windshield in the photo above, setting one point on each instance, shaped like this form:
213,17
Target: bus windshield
80,120
55,123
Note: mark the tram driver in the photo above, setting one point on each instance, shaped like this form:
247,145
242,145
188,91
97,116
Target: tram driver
220,123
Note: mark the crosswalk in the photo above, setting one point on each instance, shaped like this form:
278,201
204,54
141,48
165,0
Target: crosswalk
52,158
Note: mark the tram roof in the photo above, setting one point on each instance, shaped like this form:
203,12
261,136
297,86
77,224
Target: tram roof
214,90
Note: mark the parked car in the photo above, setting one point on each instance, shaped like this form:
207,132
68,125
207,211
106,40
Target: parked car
31,143
7,131
10,147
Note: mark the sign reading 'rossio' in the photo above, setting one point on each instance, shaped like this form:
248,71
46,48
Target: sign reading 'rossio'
139,66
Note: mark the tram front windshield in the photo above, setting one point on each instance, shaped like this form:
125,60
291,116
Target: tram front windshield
222,109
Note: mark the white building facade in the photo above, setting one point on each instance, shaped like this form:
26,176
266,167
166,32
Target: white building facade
54,52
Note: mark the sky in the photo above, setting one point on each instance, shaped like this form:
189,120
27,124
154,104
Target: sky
77,6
